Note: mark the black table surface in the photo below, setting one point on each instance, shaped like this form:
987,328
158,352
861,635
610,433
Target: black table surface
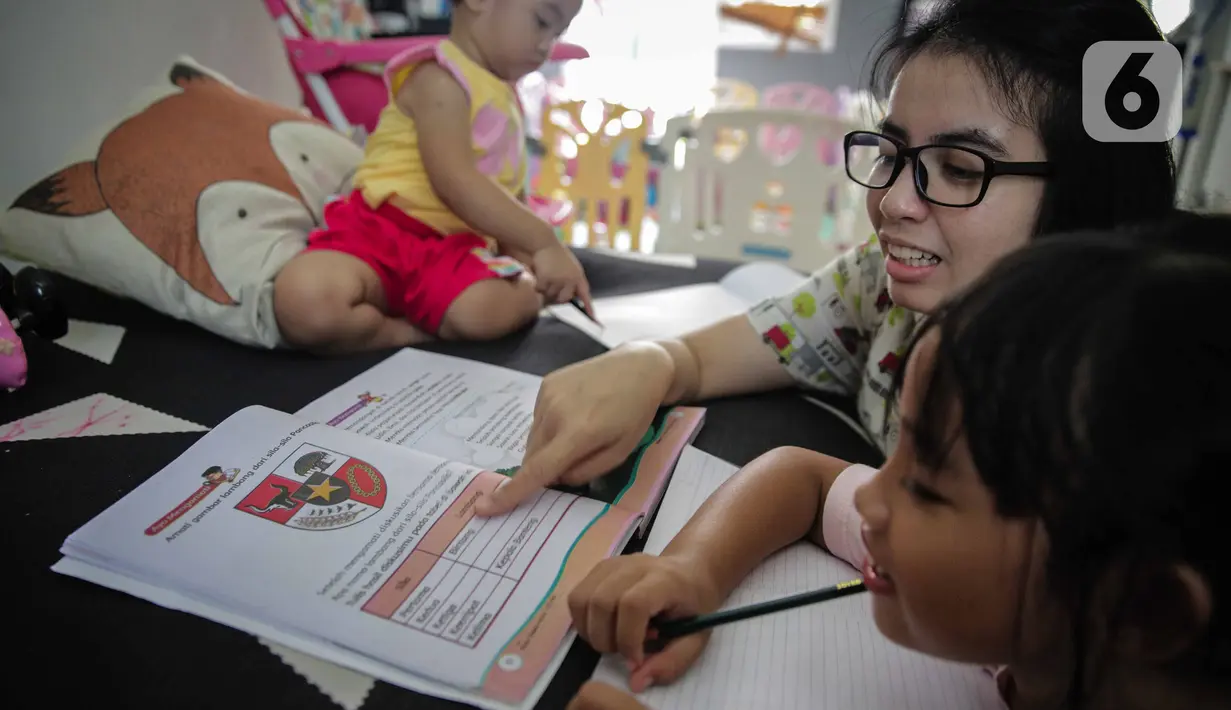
80,643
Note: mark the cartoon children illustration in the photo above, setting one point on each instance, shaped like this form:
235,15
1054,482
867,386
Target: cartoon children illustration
216,476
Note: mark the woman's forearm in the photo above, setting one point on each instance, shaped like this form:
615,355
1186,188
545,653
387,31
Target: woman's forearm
722,360
772,502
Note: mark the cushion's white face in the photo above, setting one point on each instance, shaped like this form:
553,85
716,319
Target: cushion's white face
249,230
190,205
320,160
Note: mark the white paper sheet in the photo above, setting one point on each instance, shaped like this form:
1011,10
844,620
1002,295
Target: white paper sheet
824,657
97,340
345,687
97,415
673,312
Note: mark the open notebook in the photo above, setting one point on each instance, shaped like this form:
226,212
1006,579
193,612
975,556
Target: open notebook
675,311
827,656
347,532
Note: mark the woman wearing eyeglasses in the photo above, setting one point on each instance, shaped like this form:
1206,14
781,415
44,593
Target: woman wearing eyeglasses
983,148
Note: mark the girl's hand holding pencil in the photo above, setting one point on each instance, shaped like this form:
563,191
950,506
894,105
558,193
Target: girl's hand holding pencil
615,607
657,612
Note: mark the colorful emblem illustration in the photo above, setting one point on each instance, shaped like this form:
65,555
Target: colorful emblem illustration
317,489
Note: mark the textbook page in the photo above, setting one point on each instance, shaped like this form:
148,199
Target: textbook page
457,409
820,657
362,546
675,311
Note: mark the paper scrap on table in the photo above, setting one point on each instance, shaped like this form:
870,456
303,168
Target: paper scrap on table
13,265
345,687
97,340
97,415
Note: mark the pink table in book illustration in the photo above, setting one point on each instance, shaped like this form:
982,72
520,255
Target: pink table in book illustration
460,575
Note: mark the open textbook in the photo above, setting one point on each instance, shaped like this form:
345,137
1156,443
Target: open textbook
347,532
675,311
820,657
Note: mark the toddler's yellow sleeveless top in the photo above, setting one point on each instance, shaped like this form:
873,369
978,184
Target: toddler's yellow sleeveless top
392,169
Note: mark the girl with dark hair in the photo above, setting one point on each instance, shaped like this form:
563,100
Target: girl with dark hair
982,150
1050,510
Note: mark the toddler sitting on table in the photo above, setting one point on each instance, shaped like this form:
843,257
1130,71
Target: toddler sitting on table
432,240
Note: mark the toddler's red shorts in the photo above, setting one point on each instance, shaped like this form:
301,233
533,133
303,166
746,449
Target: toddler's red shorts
421,270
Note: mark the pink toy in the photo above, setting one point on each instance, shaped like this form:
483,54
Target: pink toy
334,89
12,356
28,303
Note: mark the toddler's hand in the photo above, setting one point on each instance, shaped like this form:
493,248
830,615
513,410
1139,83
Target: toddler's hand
613,606
526,258
560,276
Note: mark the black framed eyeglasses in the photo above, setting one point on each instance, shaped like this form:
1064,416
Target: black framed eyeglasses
946,175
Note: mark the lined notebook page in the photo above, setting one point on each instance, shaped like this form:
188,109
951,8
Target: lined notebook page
814,658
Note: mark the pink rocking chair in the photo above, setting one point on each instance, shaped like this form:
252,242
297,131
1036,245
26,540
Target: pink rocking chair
336,87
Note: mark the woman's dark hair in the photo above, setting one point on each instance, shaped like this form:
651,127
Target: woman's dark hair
1030,52
1090,377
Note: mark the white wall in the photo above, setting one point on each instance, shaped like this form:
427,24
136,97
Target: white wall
1218,176
67,66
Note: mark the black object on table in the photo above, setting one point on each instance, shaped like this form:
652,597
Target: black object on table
30,301
77,643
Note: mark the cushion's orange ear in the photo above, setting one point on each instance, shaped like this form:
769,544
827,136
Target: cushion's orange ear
72,192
